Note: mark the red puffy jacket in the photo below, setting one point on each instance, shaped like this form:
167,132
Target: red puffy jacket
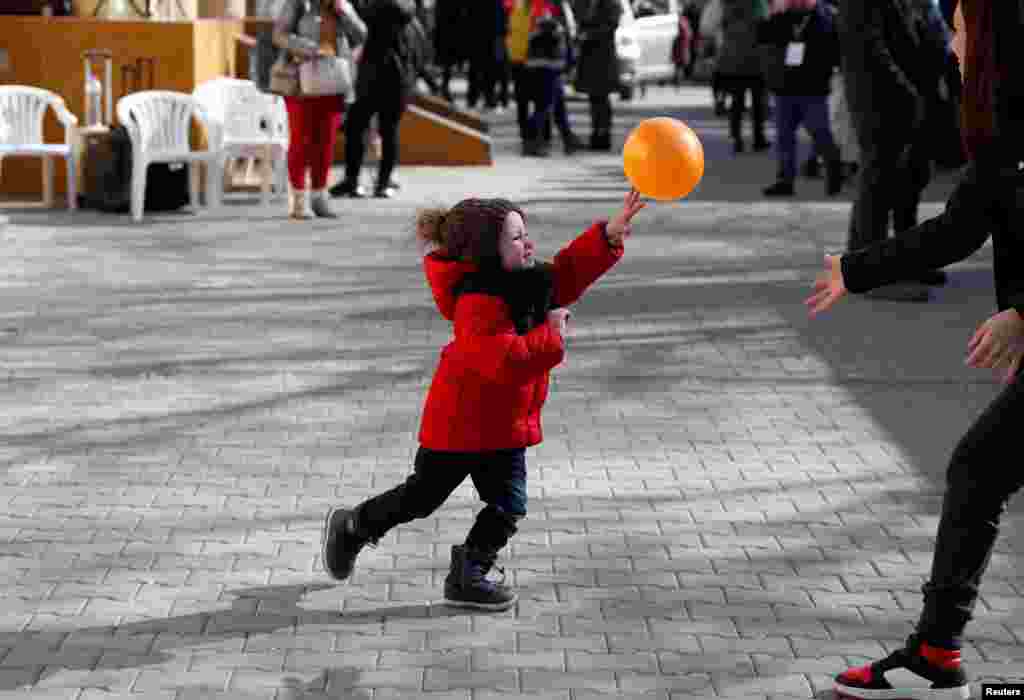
491,383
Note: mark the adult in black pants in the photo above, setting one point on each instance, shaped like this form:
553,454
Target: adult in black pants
386,74
983,472
487,25
449,34
598,70
889,77
740,69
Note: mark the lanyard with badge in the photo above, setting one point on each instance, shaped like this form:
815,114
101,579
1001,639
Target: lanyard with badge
796,48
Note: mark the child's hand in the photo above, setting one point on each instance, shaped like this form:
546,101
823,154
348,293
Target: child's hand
619,228
558,319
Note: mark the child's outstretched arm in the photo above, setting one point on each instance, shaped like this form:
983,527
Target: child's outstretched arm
593,253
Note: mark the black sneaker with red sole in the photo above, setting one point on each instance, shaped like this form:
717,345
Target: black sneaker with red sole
932,682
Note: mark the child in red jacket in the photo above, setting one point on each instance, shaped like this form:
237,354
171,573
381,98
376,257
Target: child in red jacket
483,407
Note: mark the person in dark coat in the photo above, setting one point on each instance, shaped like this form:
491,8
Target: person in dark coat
449,40
981,476
598,69
740,70
389,66
889,80
487,25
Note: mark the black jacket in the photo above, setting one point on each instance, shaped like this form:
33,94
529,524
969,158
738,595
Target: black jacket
883,71
392,54
816,30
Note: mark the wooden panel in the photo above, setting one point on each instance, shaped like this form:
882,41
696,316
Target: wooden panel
446,109
425,138
428,139
215,55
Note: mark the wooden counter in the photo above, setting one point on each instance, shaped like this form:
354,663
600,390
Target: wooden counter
46,52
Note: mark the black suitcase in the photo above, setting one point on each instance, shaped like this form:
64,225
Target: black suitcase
107,175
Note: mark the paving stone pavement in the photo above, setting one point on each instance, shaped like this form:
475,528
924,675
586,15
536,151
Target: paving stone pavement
731,501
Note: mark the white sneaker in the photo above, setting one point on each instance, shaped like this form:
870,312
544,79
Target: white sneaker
299,208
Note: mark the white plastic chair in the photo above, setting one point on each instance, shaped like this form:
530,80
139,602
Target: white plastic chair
247,123
158,123
22,109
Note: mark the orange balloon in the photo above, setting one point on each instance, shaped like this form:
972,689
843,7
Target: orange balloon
663,158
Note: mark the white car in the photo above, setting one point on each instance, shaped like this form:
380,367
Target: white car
644,45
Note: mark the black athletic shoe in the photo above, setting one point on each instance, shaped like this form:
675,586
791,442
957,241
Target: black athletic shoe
936,683
341,542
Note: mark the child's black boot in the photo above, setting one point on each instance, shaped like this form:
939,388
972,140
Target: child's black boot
342,540
468,586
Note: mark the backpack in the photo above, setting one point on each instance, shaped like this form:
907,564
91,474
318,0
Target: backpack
108,182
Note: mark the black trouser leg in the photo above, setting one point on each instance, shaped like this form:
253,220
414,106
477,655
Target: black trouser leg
877,179
388,119
979,481
915,175
435,475
356,125
522,85
758,108
601,120
738,95
501,482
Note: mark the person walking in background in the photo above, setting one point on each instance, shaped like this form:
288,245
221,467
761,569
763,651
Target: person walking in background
682,47
449,40
807,53
598,70
740,70
887,79
692,14
548,58
710,30
981,476
485,41
389,65
308,30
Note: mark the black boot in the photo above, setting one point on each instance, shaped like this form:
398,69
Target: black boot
834,177
782,188
347,188
811,168
341,542
601,141
536,148
467,585
571,143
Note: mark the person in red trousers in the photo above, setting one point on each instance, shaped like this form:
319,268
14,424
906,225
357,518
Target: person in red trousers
307,30
981,477
483,408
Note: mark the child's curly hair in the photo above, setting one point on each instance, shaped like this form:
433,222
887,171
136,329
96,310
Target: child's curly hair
469,231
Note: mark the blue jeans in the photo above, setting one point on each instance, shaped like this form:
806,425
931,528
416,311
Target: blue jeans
810,111
548,98
499,478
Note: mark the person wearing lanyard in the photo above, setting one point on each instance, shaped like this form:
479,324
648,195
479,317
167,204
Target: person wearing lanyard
806,45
